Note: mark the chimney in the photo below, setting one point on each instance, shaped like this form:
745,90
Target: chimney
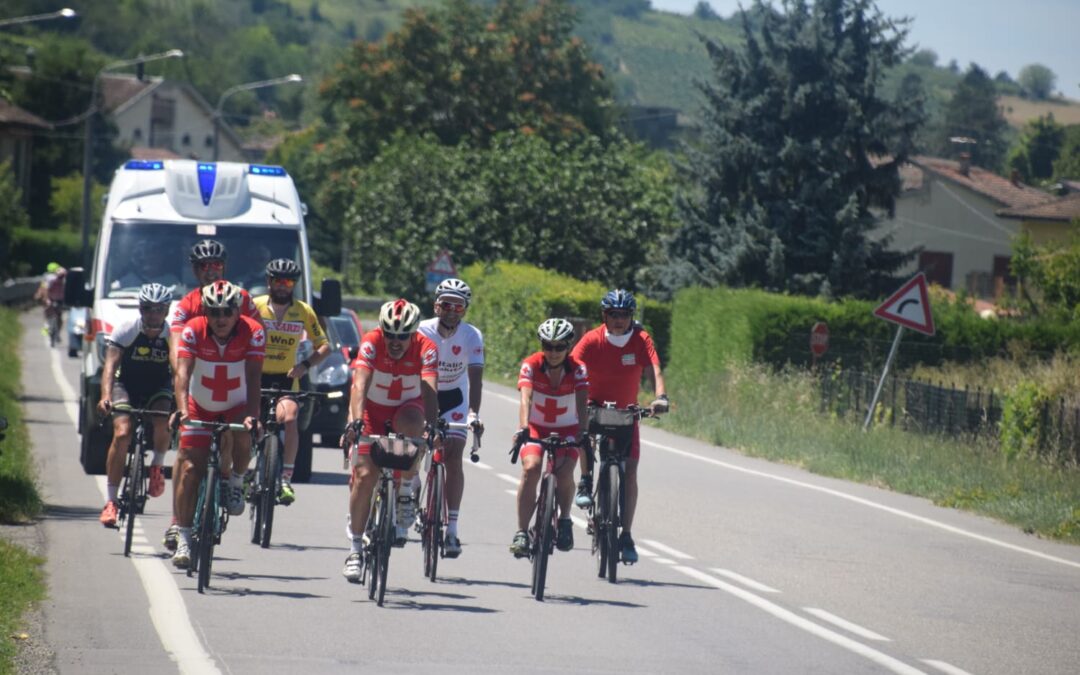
1014,177
965,163
140,71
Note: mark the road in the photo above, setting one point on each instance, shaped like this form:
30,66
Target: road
747,567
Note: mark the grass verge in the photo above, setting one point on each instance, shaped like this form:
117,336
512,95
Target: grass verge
775,416
21,581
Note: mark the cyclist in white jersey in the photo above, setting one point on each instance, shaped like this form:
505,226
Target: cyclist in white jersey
461,381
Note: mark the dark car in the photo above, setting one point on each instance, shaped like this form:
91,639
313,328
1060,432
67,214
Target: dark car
334,376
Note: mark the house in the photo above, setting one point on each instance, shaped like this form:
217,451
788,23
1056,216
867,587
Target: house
165,116
950,210
1054,220
17,129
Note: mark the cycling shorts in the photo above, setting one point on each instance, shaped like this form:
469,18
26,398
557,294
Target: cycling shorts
565,433
454,408
376,420
192,438
124,399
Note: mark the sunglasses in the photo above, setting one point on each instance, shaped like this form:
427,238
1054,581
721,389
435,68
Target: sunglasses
618,314
550,347
400,337
154,309
451,307
211,265
219,312
279,281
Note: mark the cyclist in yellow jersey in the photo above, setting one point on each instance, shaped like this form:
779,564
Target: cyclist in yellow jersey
287,320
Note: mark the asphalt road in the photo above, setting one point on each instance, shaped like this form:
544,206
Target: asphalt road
747,567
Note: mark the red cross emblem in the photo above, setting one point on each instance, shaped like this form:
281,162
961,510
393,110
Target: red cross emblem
393,392
550,410
220,384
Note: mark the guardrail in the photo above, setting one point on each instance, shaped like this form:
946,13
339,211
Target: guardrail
18,291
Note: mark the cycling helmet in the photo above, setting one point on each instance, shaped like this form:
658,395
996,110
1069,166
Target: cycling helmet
455,288
283,268
618,299
155,294
220,294
52,267
399,316
556,330
207,249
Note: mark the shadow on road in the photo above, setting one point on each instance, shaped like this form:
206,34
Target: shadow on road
326,478
232,576
480,582
28,398
431,606
64,512
427,594
298,547
661,584
578,600
242,592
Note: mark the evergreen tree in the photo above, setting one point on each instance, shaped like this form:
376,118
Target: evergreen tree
973,113
1039,147
1068,162
799,149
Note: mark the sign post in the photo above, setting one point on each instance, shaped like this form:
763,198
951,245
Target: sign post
819,341
440,269
908,307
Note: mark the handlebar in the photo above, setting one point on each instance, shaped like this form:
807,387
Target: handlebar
474,451
214,426
137,412
637,411
551,443
363,438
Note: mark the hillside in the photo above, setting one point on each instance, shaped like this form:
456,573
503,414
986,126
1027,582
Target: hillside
1020,110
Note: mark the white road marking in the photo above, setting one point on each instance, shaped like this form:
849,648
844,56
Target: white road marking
664,548
665,561
511,492
167,609
580,522
880,658
866,502
945,667
504,397
645,552
846,625
508,478
480,465
745,581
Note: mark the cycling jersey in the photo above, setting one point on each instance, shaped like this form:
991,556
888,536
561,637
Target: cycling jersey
554,408
394,382
190,306
144,364
615,372
283,335
457,353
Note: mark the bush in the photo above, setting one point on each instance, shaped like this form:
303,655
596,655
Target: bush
32,250
1021,429
511,300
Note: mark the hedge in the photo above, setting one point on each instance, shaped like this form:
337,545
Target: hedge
510,300
32,250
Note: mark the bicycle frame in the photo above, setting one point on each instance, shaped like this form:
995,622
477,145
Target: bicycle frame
435,514
211,516
132,496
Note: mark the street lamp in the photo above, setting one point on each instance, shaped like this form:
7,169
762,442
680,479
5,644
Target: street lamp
245,87
65,13
88,142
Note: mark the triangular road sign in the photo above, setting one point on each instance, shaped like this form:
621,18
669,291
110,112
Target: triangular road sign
442,264
909,306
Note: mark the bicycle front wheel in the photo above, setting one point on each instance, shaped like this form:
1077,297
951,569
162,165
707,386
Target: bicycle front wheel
371,550
268,496
433,520
133,494
611,534
545,535
255,492
205,552
600,520
386,538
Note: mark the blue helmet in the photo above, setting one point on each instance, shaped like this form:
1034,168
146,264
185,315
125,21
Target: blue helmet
619,299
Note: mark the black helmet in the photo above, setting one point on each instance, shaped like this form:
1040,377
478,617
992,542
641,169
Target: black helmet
207,249
283,268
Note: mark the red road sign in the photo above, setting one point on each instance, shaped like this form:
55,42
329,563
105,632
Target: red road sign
909,306
819,338
442,264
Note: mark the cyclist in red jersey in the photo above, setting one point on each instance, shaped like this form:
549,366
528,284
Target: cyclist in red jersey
218,377
617,353
554,392
395,385
208,265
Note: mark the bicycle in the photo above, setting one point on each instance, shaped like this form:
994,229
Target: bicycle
542,532
266,483
131,499
55,329
211,512
435,516
391,452
610,432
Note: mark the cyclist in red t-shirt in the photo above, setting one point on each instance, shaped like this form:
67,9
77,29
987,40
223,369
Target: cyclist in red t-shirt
554,390
218,376
395,386
617,353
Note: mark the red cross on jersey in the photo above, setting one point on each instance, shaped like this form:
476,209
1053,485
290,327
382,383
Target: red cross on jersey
395,381
218,374
220,384
554,407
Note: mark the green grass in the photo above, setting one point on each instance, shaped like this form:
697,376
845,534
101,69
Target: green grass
21,585
775,416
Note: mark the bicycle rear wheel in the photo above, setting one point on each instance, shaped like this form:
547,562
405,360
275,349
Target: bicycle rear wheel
268,496
599,525
54,328
433,519
545,530
385,539
132,493
611,533
205,552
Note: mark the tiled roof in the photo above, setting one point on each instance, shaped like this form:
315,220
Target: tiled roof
1065,208
1002,190
118,89
143,152
11,114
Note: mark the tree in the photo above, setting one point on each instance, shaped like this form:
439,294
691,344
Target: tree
799,148
1068,162
926,58
1037,81
12,214
1049,274
1038,148
973,113
704,11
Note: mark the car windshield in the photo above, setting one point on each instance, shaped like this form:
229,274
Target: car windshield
141,253
346,331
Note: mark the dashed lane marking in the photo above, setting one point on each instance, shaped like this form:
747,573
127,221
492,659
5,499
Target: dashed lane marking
745,581
850,627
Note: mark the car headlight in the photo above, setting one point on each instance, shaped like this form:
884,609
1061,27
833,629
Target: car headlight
333,376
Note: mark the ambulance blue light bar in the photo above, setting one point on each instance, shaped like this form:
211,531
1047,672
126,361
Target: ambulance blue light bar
264,170
144,165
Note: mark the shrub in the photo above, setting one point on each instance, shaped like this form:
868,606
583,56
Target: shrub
32,250
1021,428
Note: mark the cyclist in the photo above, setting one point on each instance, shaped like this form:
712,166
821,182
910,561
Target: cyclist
461,381
51,292
617,353
395,384
208,265
286,321
554,393
220,359
139,350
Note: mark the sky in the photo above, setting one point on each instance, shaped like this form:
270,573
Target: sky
996,34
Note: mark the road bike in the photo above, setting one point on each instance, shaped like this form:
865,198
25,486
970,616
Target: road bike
131,500
611,433
390,452
55,329
211,512
265,485
435,514
542,532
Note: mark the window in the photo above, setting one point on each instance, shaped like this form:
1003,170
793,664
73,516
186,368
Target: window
937,267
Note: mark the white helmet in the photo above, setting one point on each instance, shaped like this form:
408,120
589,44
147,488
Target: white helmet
220,294
556,330
399,316
454,288
155,294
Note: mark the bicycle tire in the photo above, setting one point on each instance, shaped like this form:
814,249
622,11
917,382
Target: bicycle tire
433,517
269,493
611,535
386,535
205,553
54,329
132,493
545,526
600,524
258,452
371,552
